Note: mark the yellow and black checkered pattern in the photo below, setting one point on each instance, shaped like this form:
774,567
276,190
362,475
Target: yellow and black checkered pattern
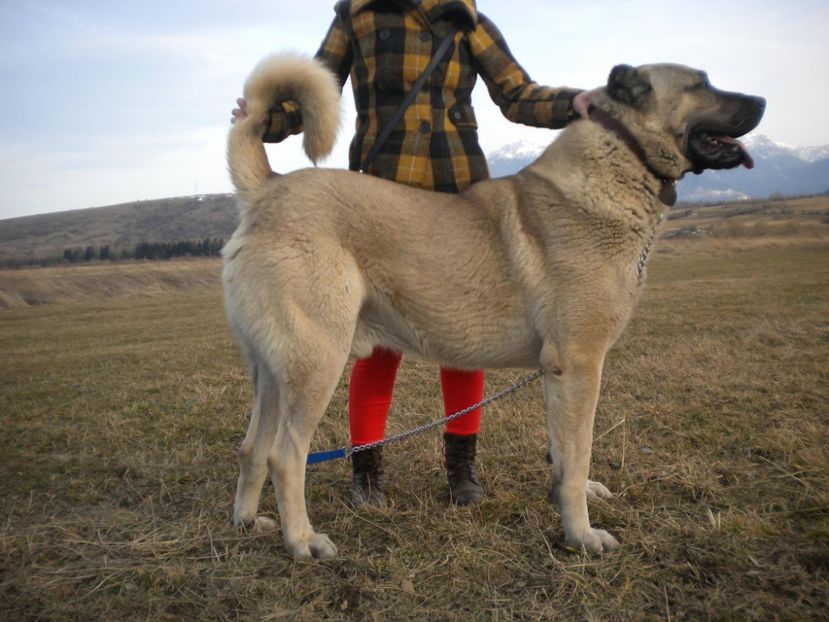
384,46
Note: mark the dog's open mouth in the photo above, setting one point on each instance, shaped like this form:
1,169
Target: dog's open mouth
717,151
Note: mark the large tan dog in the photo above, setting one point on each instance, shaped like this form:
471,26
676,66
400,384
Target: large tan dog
538,269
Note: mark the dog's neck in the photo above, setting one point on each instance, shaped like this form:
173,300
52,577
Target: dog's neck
667,192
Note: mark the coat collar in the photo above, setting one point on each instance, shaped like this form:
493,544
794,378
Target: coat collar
435,9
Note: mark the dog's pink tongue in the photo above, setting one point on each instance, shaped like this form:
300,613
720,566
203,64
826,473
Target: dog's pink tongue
748,161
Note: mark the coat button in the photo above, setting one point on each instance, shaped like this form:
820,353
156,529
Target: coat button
425,36
385,33
456,114
425,127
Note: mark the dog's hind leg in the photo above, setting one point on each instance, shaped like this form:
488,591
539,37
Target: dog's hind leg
304,399
253,453
300,331
571,389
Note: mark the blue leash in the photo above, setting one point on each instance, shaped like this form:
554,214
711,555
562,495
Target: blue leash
341,452
325,456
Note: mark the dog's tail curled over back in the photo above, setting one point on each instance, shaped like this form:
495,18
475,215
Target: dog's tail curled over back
278,78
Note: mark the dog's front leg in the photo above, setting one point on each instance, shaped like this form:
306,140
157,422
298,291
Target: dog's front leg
571,389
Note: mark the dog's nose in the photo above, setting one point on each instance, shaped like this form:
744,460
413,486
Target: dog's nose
760,102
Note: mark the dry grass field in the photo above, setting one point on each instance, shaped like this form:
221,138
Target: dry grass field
125,399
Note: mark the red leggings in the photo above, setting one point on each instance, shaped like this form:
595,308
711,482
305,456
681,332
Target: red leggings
372,384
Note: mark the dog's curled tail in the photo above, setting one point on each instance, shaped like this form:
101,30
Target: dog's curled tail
277,78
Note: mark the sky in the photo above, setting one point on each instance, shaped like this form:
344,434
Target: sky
113,102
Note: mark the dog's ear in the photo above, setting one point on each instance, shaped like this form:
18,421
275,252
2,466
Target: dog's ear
627,85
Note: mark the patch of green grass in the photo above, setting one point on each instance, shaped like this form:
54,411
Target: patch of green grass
122,419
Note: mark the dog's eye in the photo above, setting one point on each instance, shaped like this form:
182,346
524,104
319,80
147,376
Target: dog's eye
701,84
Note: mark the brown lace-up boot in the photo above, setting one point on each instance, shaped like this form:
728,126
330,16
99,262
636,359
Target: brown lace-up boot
464,485
367,479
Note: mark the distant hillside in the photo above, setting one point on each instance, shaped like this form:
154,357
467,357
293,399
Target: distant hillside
121,226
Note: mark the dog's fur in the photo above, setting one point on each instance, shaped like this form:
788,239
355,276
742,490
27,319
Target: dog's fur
538,269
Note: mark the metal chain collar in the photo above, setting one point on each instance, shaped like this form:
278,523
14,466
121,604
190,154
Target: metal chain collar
643,258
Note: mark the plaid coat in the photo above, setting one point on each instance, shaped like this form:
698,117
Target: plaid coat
384,46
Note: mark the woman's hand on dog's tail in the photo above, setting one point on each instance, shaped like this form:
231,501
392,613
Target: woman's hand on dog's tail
241,112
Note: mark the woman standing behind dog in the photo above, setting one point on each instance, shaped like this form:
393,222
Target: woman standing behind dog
385,46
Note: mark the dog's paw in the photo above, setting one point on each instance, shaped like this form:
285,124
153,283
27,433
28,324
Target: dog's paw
260,524
596,491
592,541
316,546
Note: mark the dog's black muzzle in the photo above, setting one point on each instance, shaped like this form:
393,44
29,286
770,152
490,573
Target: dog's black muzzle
713,143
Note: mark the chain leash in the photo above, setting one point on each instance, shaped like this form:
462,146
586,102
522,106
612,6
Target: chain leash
433,424
343,452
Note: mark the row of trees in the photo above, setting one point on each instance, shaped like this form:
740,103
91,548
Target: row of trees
209,247
74,255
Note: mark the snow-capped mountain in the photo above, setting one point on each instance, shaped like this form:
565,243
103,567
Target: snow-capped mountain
517,152
778,169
